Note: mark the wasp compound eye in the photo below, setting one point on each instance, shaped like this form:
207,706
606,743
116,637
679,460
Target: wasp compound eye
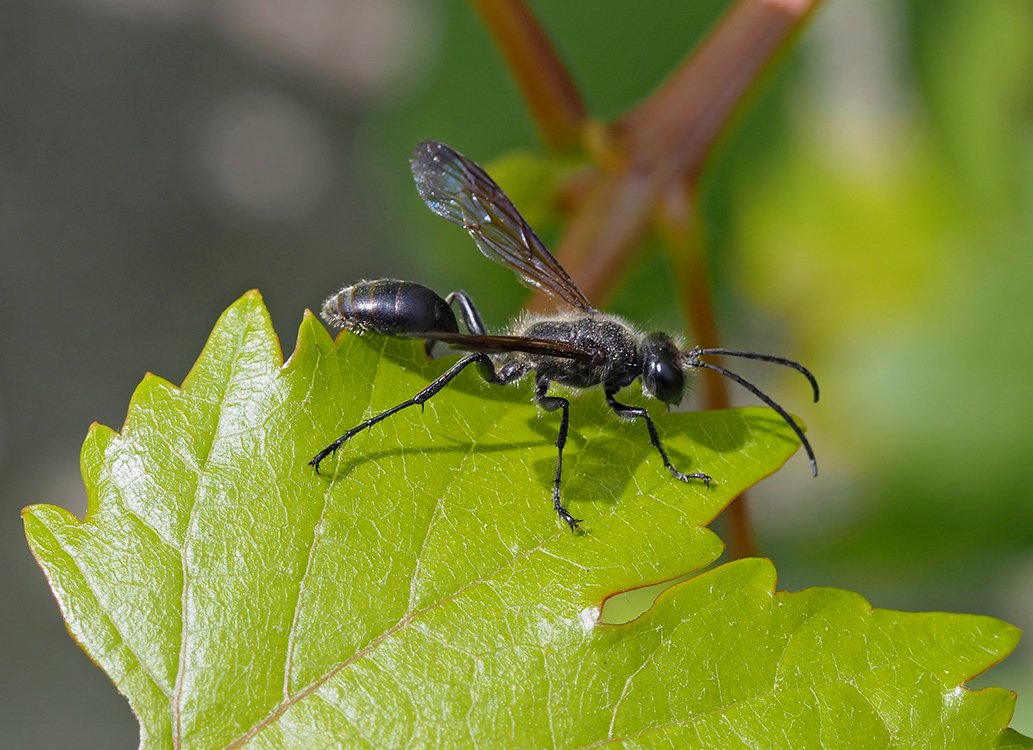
665,381
662,372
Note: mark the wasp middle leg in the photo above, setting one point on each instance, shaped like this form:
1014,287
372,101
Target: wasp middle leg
552,403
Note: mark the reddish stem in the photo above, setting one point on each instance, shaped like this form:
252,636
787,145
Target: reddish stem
541,75
667,137
676,126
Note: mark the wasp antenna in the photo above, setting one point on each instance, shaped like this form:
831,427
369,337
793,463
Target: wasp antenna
693,362
763,358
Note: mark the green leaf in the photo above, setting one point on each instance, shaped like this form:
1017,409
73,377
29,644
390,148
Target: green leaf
422,592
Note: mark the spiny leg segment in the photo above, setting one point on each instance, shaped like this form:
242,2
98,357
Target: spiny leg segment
552,403
487,370
635,412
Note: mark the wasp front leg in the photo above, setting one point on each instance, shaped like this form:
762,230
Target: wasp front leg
634,412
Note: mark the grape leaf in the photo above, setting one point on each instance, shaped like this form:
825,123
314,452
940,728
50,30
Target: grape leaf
422,592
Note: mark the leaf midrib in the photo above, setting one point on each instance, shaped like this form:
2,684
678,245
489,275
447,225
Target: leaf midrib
316,536
225,389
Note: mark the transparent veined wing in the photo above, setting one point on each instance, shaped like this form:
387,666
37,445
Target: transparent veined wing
457,189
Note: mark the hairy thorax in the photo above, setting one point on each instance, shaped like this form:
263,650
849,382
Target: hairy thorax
613,342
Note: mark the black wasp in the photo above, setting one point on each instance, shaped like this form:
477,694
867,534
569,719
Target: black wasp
578,346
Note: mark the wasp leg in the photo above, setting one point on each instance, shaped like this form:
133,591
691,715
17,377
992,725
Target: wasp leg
471,316
634,412
552,403
485,367
468,311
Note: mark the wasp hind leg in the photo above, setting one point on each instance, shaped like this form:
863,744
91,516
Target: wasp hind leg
471,317
485,366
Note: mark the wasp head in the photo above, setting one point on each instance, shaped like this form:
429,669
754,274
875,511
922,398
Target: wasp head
662,374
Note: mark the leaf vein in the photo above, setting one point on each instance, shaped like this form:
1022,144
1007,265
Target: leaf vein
92,588
203,465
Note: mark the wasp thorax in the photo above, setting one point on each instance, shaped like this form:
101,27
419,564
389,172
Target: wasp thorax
662,373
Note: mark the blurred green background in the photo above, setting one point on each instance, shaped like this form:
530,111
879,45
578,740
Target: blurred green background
870,213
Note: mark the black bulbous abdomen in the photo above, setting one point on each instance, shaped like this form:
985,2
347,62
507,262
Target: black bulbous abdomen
390,307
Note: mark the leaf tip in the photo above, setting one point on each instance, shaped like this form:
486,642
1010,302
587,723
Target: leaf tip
97,437
1010,636
245,326
43,517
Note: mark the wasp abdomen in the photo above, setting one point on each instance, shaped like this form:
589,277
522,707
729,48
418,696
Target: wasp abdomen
390,307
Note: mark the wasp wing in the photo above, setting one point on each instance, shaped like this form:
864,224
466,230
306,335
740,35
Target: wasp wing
477,342
457,189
